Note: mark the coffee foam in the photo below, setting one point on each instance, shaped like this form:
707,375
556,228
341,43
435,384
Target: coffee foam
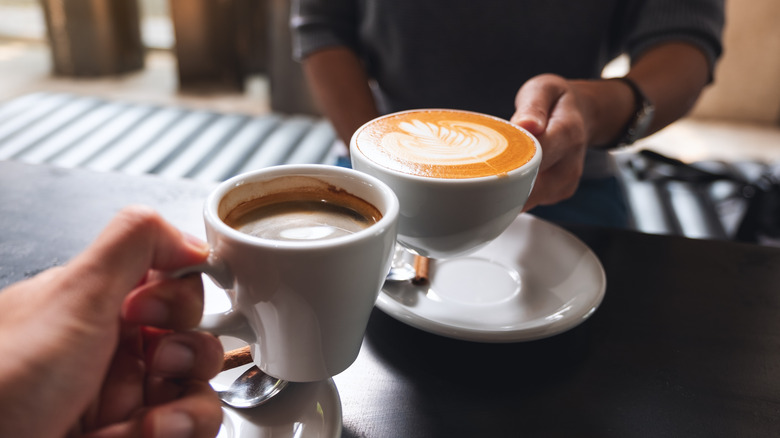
296,208
298,220
445,144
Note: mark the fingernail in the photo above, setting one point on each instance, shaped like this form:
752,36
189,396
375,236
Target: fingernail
174,358
152,311
174,425
196,242
533,126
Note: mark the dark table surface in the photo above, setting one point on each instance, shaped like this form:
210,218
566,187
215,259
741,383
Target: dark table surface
685,344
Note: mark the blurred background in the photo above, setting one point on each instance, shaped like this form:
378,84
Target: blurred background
184,43
198,53
208,88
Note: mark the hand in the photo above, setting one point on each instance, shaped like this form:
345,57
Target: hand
548,107
567,116
101,347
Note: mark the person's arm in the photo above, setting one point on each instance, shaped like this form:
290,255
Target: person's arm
568,116
671,75
339,84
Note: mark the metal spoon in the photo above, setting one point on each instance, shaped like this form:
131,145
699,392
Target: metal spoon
251,389
401,270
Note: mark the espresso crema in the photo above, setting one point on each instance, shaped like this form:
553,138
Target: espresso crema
445,144
303,215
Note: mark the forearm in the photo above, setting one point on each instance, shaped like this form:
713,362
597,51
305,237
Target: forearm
672,76
340,87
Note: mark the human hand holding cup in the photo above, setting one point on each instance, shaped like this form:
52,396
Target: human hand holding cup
461,177
303,251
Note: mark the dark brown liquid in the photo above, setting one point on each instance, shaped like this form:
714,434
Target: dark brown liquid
303,215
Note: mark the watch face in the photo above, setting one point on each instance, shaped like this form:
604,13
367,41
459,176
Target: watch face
643,120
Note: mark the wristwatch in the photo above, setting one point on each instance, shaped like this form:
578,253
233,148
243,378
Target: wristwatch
644,110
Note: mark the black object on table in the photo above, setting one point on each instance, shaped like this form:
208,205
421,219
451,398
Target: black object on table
686,342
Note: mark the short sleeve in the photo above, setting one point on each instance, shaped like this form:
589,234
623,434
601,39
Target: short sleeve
697,22
317,24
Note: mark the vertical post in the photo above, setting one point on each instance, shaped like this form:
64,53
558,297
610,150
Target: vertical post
94,37
289,90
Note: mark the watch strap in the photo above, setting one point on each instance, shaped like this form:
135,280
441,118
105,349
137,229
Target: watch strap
639,123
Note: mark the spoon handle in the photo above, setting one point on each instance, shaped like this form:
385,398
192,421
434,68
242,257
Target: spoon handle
236,358
421,266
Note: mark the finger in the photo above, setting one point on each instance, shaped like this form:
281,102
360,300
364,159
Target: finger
154,374
184,355
175,304
564,146
136,240
535,101
122,390
554,185
565,137
125,429
196,414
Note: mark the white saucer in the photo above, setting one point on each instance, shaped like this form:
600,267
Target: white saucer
301,410
534,281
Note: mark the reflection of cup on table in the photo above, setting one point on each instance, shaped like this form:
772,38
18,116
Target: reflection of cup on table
302,291
461,177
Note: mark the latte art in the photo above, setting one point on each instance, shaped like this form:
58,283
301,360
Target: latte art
445,144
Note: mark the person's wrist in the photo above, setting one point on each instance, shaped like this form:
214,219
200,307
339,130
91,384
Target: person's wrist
641,118
606,106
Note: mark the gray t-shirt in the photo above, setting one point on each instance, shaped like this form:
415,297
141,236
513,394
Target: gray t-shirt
475,54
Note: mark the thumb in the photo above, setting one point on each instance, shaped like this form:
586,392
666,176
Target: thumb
135,241
535,101
533,123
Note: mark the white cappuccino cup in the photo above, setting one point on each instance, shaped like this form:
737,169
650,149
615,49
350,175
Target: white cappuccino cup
461,177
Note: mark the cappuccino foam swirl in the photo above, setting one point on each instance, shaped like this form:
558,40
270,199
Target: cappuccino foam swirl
449,142
445,144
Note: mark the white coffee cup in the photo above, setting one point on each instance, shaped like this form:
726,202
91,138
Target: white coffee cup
444,217
303,306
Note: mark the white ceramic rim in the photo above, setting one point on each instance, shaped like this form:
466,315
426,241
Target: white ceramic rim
534,162
210,210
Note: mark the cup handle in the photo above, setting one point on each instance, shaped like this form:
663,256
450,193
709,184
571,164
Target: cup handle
230,323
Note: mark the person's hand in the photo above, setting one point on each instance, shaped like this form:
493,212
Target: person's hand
548,107
102,348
